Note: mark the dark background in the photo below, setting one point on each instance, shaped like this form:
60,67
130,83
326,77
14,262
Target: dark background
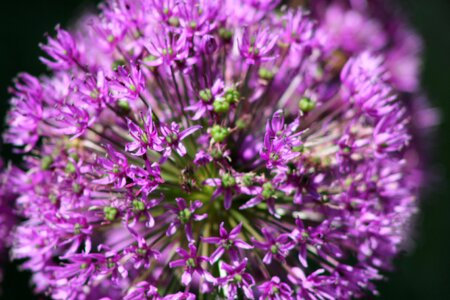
423,273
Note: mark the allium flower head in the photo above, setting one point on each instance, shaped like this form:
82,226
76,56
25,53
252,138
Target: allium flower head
229,149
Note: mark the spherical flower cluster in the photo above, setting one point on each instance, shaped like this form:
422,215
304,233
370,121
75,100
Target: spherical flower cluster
235,149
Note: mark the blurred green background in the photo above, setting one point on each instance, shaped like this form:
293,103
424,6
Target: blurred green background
423,273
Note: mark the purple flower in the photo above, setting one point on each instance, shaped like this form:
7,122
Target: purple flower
94,89
275,247
198,17
75,121
192,264
274,289
313,286
303,236
142,254
166,49
164,9
298,30
228,242
202,158
257,46
390,134
173,138
79,268
148,178
139,210
236,278
280,141
184,216
115,167
62,50
206,99
146,138
127,84
143,290
226,186
265,193
365,77
180,296
28,113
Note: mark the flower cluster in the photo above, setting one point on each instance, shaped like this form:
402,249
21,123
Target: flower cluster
218,149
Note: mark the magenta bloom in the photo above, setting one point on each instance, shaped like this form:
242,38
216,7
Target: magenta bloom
229,149
228,242
192,264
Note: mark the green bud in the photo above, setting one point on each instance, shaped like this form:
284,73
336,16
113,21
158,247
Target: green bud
265,74
46,162
221,106
171,138
238,277
138,205
274,156
77,228
110,38
110,263
132,87
74,156
306,104
283,45
53,198
241,124
83,266
228,180
300,148
205,95
305,235
248,178
193,24
124,106
117,63
141,251
228,244
348,181
76,187
232,96
149,58
116,169
219,134
174,21
274,249
268,190
167,51
70,168
225,34
253,50
190,262
110,213
185,215
94,94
